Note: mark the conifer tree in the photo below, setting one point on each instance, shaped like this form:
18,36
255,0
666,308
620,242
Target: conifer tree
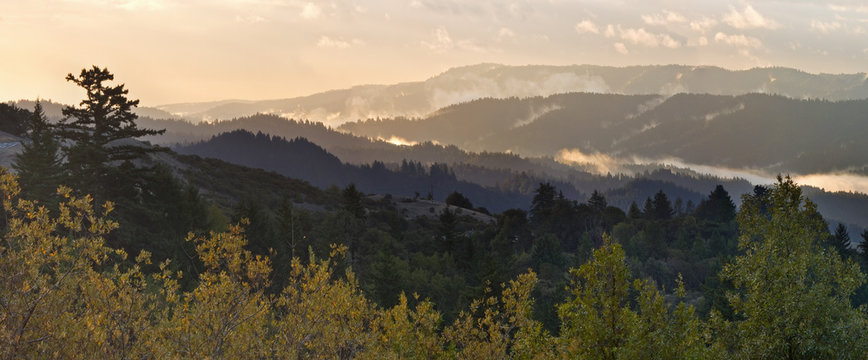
840,241
100,129
38,166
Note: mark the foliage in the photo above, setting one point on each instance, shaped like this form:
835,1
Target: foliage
67,294
100,129
600,323
794,293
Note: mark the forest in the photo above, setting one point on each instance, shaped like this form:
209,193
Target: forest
116,248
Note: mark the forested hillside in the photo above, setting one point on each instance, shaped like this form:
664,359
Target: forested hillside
768,132
468,83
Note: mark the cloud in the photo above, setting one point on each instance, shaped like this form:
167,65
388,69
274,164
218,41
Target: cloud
252,19
595,161
703,41
846,8
621,48
748,18
703,25
137,5
586,26
645,38
310,11
610,31
739,40
441,41
505,33
327,42
663,19
826,27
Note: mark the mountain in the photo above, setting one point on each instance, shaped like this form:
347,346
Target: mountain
417,99
302,159
54,110
754,131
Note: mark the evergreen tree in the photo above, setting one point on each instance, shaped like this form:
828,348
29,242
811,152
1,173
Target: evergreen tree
458,199
718,207
863,246
840,241
542,205
352,198
648,209
447,231
38,166
100,129
634,212
662,206
13,119
597,202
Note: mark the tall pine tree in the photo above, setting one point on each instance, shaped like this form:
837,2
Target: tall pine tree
100,130
38,166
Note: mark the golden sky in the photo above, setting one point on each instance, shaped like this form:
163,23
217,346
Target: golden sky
198,50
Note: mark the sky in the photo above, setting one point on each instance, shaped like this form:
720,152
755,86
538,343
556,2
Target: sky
169,51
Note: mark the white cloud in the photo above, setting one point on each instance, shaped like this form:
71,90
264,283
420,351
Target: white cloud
505,33
703,41
665,18
586,26
825,27
703,25
748,18
441,42
337,43
621,48
252,19
739,40
669,42
846,8
134,5
310,11
610,31
642,37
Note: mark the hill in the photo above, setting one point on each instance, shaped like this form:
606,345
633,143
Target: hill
753,132
416,99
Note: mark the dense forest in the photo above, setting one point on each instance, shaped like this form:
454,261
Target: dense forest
117,248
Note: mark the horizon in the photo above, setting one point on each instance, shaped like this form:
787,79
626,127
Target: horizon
238,99
170,52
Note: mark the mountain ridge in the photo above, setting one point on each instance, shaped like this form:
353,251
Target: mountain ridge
419,98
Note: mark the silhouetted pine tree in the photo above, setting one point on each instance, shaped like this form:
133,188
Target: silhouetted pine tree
38,166
100,129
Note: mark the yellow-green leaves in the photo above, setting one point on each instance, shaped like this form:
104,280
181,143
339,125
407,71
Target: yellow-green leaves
794,293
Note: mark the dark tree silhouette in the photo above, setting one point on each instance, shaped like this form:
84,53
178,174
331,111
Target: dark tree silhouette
597,202
840,241
38,166
352,198
13,119
634,212
718,207
459,200
662,208
100,129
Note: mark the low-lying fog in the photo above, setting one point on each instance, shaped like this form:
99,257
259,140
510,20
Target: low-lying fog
602,163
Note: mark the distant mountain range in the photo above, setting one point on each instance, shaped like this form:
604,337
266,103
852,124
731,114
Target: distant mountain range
417,99
496,188
767,133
